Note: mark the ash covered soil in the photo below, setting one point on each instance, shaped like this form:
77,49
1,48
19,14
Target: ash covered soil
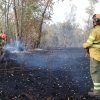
51,74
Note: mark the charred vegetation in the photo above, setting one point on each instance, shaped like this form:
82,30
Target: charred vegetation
53,74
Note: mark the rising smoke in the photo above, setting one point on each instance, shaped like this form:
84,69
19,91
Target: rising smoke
14,46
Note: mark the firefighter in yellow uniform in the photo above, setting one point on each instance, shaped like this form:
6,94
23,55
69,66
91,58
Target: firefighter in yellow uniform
93,44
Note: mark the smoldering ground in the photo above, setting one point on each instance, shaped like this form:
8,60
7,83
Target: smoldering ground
52,74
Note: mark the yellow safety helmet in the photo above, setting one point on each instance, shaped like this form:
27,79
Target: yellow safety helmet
96,18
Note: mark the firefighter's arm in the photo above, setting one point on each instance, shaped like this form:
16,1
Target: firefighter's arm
90,40
86,45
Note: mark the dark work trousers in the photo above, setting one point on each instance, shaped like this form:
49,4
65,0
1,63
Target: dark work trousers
95,74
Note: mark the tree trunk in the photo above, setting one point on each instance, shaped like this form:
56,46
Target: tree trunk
16,21
21,18
7,26
5,16
41,23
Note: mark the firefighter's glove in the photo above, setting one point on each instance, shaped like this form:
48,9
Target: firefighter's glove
87,55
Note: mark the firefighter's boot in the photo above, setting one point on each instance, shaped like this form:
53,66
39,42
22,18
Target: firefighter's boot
93,94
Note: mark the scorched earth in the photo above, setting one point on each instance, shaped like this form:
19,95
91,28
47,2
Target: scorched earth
50,74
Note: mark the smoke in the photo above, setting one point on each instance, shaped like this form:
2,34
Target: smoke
64,59
16,45
49,59
69,61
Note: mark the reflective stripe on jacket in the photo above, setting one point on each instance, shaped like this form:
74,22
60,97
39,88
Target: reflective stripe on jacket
97,86
93,43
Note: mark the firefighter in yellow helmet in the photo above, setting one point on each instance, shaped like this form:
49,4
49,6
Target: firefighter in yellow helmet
93,44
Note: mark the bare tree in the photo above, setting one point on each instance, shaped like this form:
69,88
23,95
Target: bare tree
42,17
16,20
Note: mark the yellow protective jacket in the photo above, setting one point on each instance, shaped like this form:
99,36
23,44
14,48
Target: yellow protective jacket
93,43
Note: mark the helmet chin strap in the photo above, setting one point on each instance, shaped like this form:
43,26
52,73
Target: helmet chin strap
94,25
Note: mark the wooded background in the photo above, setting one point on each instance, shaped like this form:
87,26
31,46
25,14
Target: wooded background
28,20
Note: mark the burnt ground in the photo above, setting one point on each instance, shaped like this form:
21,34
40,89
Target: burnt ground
52,74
